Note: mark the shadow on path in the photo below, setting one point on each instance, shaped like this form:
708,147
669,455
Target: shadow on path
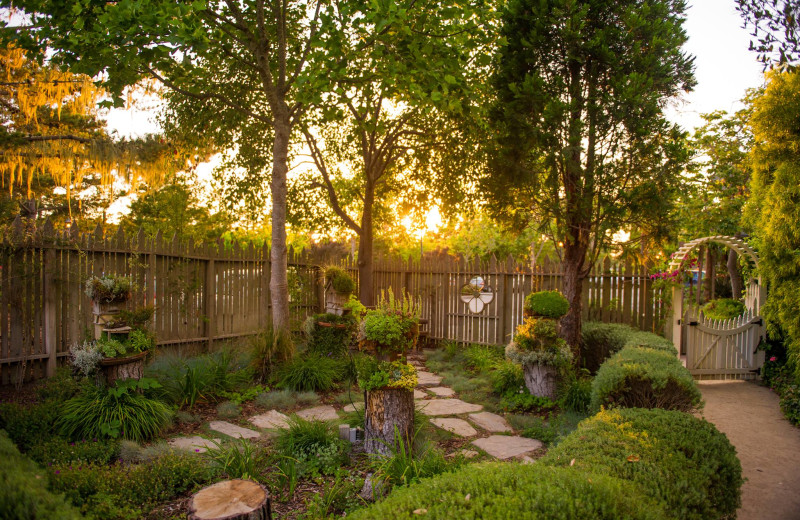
767,445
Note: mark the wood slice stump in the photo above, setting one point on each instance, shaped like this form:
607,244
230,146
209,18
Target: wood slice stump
231,500
387,409
541,379
129,367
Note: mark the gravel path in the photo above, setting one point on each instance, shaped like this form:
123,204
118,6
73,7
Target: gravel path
767,445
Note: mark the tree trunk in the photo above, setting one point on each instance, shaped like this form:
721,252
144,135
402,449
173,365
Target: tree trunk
366,293
278,283
573,290
737,283
387,410
541,380
231,500
709,281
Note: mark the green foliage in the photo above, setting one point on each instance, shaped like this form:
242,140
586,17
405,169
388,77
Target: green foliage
373,374
524,401
551,430
601,340
121,411
547,304
228,410
268,348
537,342
507,377
25,495
58,388
127,492
723,309
245,395
111,348
482,358
340,280
238,459
315,445
674,457
337,497
774,207
276,399
512,490
409,463
61,451
137,318
577,394
641,377
333,339
109,288
198,379
139,341
29,425
311,372
393,326
357,309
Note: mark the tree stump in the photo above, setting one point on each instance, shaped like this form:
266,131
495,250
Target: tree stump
541,379
231,500
387,409
129,367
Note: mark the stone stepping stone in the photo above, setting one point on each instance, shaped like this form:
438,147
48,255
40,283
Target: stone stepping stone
428,379
447,407
490,422
319,413
232,430
442,391
457,426
273,419
507,446
195,444
419,394
352,407
467,454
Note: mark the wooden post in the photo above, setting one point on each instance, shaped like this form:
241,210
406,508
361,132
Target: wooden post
209,304
49,300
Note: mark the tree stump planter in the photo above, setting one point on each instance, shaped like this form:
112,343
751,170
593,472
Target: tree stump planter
231,500
388,409
128,367
541,380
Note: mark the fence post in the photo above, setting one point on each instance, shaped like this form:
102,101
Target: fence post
49,300
209,303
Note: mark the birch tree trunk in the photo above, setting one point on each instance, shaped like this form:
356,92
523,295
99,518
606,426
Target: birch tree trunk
279,283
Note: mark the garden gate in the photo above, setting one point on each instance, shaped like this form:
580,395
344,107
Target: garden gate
720,349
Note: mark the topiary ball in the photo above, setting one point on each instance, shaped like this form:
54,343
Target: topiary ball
548,304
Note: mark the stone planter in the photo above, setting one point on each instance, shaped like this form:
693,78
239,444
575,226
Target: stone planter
541,380
128,367
388,409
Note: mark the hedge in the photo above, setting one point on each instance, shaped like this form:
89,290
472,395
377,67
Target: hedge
24,494
599,341
676,458
497,490
642,377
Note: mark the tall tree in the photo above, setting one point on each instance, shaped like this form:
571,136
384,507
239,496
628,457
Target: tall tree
583,141
775,29
774,207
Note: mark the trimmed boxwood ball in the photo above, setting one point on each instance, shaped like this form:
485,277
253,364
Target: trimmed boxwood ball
340,280
674,457
723,309
641,377
548,304
502,490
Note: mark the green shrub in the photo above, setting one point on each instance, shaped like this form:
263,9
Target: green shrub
122,491
24,493
723,309
482,358
307,398
268,348
277,399
550,431
407,466
526,402
548,304
333,340
58,451
58,388
674,457
247,394
121,411
312,372
29,425
340,280
640,377
599,341
507,377
139,341
314,444
576,395
228,410
509,490
536,341
237,459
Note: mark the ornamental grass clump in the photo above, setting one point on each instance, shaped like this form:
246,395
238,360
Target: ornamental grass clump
680,460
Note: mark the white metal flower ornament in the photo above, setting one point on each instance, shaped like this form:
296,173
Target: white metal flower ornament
476,294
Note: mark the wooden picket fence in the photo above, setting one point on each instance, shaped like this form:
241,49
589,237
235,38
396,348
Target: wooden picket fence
208,293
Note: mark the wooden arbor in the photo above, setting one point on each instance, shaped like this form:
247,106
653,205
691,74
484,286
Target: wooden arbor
720,349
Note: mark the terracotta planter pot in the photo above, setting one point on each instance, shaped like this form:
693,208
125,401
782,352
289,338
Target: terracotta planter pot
128,367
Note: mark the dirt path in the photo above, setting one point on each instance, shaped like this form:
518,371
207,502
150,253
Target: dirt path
767,445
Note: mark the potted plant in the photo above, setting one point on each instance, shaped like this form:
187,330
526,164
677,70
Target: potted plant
124,359
387,333
537,345
108,293
339,285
